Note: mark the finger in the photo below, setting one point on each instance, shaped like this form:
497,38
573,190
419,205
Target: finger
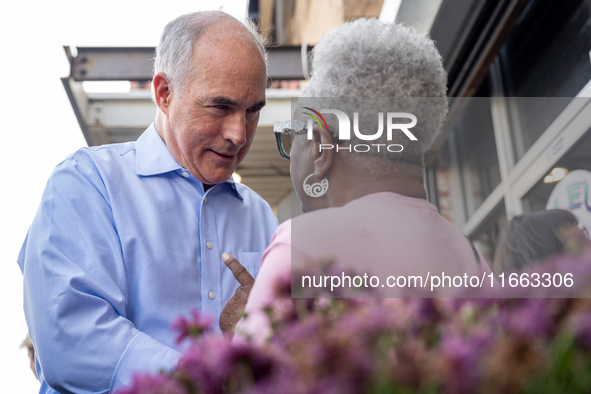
239,272
227,323
232,312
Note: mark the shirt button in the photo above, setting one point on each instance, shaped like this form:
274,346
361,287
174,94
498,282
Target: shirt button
211,295
205,199
185,174
209,245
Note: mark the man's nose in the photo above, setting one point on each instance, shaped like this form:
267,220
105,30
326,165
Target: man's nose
235,129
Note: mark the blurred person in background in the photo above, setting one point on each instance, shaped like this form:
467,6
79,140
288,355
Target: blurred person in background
532,237
130,236
366,211
28,344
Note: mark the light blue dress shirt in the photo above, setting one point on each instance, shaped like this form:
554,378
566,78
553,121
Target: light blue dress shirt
124,242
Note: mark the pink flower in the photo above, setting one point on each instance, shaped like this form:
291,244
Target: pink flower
462,356
194,327
529,317
581,325
153,384
213,364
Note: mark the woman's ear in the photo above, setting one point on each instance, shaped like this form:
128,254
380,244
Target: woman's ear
323,146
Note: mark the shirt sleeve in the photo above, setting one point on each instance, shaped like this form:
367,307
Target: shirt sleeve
75,289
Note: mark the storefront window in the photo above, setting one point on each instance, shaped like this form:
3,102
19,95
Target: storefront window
579,158
486,240
476,151
439,185
547,55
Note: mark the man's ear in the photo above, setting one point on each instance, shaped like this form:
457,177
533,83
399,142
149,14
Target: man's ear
322,155
162,92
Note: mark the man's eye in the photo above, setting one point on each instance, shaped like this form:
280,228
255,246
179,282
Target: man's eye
220,106
254,109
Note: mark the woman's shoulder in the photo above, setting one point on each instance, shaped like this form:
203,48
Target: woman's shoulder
283,231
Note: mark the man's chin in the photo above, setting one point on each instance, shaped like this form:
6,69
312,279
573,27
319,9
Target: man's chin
214,179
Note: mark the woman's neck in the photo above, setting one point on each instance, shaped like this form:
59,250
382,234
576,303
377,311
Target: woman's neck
348,182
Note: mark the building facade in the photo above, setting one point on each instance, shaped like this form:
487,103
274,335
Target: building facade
520,113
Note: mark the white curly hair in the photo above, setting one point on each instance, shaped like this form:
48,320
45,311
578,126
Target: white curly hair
383,66
175,51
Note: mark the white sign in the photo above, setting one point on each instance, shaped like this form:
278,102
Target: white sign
573,193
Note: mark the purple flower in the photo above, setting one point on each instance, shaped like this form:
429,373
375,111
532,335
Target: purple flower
333,345
461,356
194,327
581,326
283,382
304,330
282,285
196,365
425,312
529,317
214,364
153,384
336,385
244,356
368,320
456,304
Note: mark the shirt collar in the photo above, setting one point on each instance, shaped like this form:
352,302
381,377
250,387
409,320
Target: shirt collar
234,187
152,155
153,158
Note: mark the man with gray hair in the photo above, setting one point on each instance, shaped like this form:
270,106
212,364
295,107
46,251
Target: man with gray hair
130,236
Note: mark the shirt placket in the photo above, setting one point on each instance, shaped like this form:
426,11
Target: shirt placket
211,281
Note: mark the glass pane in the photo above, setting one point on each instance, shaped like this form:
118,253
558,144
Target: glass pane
486,240
578,158
286,140
547,55
441,185
476,152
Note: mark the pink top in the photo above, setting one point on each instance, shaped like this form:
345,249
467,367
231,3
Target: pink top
383,234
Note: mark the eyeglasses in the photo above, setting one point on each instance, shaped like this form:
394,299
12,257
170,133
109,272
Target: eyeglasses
284,132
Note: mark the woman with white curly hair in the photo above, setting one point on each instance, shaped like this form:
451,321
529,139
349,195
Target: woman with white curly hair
365,208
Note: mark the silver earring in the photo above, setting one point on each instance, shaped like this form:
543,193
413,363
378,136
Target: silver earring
316,189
